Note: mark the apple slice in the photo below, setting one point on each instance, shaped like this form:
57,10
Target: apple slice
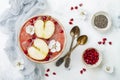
39,25
39,50
44,29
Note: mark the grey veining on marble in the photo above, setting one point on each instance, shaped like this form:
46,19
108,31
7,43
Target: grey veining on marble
11,20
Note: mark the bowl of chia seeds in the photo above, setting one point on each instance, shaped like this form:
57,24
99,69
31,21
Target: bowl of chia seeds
101,21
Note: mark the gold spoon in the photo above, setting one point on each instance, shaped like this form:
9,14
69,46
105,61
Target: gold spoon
80,41
75,32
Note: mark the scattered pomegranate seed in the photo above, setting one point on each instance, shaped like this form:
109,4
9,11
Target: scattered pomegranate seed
48,70
104,39
103,43
99,42
76,7
81,71
70,23
71,19
54,73
80,4
46,75
110,43
71,8
84,69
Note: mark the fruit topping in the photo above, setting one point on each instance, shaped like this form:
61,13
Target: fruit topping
39,50
44,29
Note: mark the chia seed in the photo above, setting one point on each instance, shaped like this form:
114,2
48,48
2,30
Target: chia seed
101,21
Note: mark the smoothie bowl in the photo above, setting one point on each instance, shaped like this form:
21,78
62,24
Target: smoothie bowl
42,39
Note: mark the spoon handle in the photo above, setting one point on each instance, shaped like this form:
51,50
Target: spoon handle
73,38
69,53
61,60
67,59
67,62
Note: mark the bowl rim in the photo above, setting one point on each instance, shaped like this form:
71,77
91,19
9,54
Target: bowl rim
109,21
38,61
97,63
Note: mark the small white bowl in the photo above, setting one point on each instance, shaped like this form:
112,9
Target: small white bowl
96,64
108,68
107,16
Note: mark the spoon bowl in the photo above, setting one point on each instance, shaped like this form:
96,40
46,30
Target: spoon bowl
82,40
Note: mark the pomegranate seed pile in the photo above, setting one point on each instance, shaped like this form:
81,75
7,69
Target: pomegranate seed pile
91,56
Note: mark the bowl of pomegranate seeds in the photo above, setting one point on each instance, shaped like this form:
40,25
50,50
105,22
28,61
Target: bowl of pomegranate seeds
91,57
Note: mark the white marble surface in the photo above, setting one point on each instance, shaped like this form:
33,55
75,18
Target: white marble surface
61,10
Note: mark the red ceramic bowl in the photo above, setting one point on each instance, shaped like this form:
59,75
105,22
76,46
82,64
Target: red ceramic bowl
91,57
26,40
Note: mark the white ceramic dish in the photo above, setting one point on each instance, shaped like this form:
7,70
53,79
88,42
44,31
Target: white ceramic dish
107,16
108,68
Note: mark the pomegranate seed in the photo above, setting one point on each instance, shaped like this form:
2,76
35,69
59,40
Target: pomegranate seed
44,18
61,31
47,58
71,8
99,42
25,51
34,36
55,23
84,69
48,70
54,73
104,39
81,71
71,19
70,23
110,43
80,4
76,7
30,40
50,53
103,43
46,75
